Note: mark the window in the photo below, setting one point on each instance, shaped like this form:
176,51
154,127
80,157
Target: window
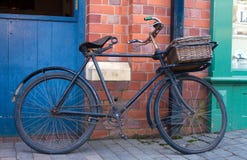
239,35
38,7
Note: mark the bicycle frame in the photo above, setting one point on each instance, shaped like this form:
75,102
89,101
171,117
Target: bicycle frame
117,113
139,93
109,97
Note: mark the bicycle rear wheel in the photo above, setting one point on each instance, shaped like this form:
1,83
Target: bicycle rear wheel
187,132
45,131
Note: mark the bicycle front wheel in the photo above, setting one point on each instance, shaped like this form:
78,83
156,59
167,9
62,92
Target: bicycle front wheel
42,129
188,132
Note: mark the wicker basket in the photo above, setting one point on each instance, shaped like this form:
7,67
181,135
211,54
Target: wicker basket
189,49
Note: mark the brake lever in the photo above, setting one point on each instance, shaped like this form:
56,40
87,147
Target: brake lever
135,41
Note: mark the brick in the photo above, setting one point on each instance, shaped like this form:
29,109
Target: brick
148,10
124,39
151,75
135,29
120,29
139,1
134,85
128,94
104,19
136,9
115,2
160,11
195,13
188,22
94,2
121,48
93,18
194,31
202,23
105,2
138,19
121,10
142,60
102,95
137,114
102,28
130,132
205,14
202,4
124,20
98,134
113,19
139,76
147,67
164,3
163,39
132,123
189,3
119,86
101,9
204,32
93,37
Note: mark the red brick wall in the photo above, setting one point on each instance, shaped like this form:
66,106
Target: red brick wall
124,19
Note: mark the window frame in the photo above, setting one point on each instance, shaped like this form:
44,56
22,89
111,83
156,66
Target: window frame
43,17
221,32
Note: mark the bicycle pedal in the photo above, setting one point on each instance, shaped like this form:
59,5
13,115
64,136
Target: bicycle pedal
123,136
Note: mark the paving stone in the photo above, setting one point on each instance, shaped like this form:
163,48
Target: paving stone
234,158
8,158
7,152
193,157
233,147
24,155
38,156
6,145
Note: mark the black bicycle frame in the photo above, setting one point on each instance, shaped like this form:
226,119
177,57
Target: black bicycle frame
139,93
109,97
144,88
163,70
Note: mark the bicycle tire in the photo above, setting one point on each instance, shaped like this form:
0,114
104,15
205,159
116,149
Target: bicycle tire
186,132
49,133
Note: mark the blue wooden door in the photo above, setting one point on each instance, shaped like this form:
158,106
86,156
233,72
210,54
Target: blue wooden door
30,42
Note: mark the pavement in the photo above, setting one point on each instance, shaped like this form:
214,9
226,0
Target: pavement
232,147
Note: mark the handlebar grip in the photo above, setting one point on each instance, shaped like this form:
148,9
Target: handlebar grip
148,18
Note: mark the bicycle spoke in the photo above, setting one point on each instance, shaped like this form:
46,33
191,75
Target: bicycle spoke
44,129
190,132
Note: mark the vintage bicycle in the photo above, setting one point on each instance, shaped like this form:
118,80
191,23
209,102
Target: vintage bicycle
57,109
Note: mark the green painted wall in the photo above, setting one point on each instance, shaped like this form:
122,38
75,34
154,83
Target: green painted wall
231,84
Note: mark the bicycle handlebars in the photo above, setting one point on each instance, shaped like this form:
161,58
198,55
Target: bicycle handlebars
158,27
152,18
